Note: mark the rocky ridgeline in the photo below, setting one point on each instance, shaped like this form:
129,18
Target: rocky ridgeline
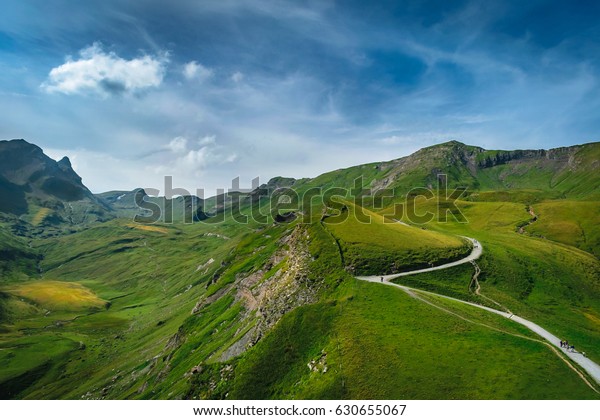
267,298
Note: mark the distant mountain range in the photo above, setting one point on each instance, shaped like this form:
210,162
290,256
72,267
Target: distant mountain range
39,190
42,193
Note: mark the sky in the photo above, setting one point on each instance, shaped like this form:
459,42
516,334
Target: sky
206,91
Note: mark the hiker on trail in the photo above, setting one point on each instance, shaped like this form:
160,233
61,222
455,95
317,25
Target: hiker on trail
573,349
562,343
583,353
567,343
382,279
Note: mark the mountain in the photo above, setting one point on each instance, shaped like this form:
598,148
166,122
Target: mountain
565,171
268,306
190,207
42,192
30,181
181,208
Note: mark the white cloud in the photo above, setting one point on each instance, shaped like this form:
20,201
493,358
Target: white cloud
196,158
178,144
192,166
237,77
194,70
105,73
191,158
207,140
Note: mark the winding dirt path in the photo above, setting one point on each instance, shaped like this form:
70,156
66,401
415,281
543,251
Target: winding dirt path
476,287
533,219
586,364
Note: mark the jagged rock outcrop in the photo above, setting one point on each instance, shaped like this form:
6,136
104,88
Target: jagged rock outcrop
268,299
52,192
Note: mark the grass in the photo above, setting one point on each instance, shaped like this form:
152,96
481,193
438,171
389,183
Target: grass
376,341
40,216
151,280
440,356
453,282
575,223
58,296
382,344
551,283
17,259
379,343
382,246
24,361
277,368
148,228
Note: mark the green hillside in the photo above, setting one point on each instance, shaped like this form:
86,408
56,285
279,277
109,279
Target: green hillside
573,223
379,246
17,258
269,308
563,172
382,344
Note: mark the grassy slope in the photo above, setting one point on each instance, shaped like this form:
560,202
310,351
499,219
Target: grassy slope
382,344
17,259
575,223
382,246
57,295
26,360
555,285
128,350
579,178
145,274
569,173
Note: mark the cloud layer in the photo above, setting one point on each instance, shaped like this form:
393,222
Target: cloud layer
105,73
256,88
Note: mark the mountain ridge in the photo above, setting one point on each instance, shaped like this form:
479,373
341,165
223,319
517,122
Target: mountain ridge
472,157
240,307
32,181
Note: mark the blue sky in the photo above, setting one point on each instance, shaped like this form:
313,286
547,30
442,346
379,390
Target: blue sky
207,91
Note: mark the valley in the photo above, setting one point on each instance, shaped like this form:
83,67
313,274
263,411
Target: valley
105,308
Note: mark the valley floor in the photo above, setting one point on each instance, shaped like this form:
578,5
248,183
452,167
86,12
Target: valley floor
128,311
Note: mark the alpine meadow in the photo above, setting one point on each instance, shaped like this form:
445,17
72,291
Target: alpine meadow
316,208
95,305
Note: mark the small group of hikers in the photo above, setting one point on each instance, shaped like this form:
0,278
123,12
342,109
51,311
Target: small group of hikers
570,348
